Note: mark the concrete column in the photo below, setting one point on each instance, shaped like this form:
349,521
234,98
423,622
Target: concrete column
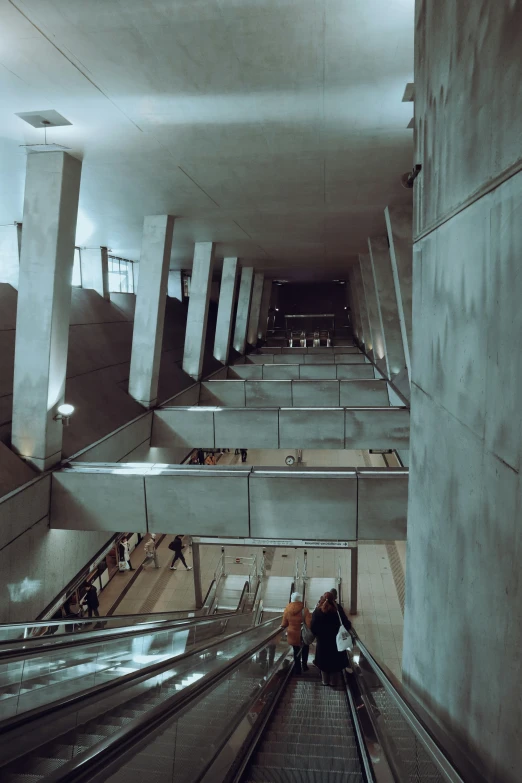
196,330
377,343
353,303
255,308
365,336
10,241
196,570
387,305
354,579
52,188
263,312
399,225
149,316
227,295
95,270
243,308
175,285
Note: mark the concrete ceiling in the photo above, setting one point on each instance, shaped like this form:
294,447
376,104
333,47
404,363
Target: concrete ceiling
273,127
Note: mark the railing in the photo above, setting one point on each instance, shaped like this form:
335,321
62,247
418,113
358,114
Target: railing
305,566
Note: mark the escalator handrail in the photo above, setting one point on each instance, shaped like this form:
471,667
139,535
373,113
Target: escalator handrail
34,646
244,591
433,746
85,620
83,766
133,678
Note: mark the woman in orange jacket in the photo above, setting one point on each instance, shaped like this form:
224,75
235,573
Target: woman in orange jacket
293,616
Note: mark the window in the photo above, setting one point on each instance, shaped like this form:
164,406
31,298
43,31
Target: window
77,268
121,275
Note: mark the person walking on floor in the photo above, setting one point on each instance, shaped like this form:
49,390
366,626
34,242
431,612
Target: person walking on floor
294,615
244,453
124,554
150,550
201,456
326,621
91,597
177,547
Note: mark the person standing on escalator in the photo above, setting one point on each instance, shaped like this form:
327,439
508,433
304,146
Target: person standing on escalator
326,622
294,615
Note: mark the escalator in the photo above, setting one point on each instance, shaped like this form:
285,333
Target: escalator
229,713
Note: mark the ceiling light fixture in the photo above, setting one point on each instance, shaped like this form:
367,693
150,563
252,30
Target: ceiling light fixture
44,147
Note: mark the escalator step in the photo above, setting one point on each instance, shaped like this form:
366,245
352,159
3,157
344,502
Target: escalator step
262,775
305,748
15,777
36,765
317,763
314,736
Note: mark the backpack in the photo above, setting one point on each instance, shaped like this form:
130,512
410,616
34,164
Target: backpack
172,545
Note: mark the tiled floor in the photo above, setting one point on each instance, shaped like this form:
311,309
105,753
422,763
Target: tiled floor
379,621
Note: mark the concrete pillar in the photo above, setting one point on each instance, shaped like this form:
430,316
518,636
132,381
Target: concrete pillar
149,315
399,225
387,305
52,188
365,336
377,343
255,308
227,296
95,270
196,570
354,579
353,303
263,312
196,330
175,285
243,308
10,241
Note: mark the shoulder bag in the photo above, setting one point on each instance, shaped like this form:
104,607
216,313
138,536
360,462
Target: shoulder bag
307,636
343,639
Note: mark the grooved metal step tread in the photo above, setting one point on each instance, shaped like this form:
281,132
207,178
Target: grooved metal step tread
317,763
304,748
261,775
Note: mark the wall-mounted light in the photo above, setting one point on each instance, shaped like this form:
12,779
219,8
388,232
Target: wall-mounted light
277,309
64,413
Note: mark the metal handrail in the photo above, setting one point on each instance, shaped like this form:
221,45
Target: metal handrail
84,765
120,682
103,635
305,566
397,693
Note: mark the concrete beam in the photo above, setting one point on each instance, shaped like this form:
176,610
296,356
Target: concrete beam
149,315
243,308
52,189
227,295
255,308
196,329
387,305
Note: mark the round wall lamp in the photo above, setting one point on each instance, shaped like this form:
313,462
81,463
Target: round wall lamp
64,413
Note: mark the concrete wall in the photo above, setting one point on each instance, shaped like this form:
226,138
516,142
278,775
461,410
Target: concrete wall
35,562
463,621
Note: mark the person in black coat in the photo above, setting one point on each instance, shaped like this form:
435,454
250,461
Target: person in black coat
325,626
91,596
176,545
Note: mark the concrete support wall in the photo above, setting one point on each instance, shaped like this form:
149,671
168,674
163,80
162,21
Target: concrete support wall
175,285
376,344
95,270
197,317
243,308
387,304
399,227
263,312
227,296
255,308
363,309
463,620
44,302
10,241
149,315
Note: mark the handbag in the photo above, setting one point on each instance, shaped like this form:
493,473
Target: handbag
343,638
307,636
122,565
